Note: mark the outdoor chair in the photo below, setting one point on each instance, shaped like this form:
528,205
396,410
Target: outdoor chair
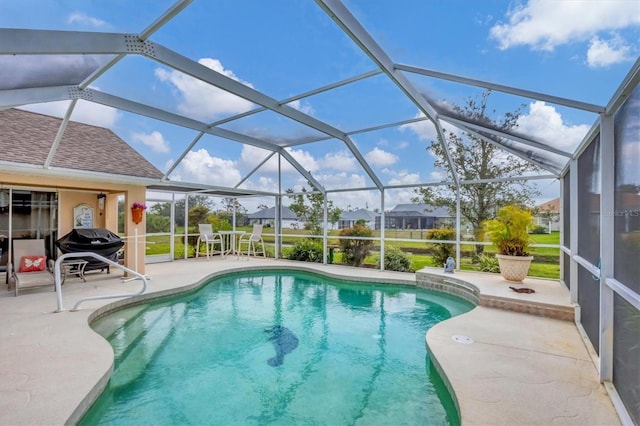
250,240
209,238
29,267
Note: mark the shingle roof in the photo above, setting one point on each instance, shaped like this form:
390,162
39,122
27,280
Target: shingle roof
358,214
415,209
27,137
552,206
270,213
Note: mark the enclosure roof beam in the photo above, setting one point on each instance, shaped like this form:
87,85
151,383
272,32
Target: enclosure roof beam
148,111
504,89
513,151
74,42
255,169
520,139
59,134
350,25
624,90
301,96
144,35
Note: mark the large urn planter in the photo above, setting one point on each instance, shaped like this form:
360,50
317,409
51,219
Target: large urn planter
514,268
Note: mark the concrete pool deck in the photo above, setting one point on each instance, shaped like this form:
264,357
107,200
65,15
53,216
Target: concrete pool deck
520,368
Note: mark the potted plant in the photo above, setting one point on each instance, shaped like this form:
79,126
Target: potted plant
510,235
137,211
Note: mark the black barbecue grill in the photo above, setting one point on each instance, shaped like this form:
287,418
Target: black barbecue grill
96,240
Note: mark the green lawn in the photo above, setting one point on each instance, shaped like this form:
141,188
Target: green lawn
546,262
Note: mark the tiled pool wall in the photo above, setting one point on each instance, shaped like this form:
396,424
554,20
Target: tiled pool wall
449,285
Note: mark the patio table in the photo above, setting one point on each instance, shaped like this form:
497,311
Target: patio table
231,237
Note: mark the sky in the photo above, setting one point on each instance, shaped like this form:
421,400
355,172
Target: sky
576,49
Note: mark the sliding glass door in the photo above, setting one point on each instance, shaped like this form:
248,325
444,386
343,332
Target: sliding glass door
26,214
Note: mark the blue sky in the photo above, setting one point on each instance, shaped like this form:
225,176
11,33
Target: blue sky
578,49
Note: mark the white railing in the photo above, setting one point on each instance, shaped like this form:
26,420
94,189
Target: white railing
57,270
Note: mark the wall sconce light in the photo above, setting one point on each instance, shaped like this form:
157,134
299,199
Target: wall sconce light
101,198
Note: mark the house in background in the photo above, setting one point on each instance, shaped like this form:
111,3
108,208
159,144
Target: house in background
548,215
349,218
417,216
267,217
46,180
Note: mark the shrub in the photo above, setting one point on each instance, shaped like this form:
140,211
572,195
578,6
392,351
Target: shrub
488,263
306,250
395,260
157,223
355,251
441,251
508,231
219,224
539,229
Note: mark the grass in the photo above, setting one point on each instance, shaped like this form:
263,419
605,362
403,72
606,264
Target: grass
546,262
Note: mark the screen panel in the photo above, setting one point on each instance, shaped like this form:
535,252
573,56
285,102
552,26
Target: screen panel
626,355
589,202
626,209
589,301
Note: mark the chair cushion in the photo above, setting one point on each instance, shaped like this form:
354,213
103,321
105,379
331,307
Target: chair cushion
33,263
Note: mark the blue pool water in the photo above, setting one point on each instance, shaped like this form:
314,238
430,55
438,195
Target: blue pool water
342,354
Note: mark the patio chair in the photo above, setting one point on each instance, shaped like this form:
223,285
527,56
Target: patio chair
250,240
209,238
29,267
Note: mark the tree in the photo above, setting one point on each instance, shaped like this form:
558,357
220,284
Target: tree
164,209
198,214
309,208
474,158
230,204
333,216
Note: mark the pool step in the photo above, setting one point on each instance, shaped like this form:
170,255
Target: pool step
107,326
144,337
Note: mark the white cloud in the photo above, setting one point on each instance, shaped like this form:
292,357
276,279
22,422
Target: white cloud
84,112
201,100
306,160
82,19
304,107
436,176
401,177
545,24
342,180
379,157
397,145
603,53
200,167
341,160
263,183
544,123
405,178
425,130
251,156
153,140
356,200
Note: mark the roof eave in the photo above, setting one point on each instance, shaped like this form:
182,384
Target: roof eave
38,170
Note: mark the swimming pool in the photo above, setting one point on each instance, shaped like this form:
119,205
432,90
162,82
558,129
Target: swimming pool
277,347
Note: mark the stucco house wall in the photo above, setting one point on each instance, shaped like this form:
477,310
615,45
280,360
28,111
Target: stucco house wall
88,160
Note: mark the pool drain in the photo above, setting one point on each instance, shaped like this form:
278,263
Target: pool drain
462,339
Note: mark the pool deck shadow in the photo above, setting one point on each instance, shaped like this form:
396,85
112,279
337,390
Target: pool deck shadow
520,369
